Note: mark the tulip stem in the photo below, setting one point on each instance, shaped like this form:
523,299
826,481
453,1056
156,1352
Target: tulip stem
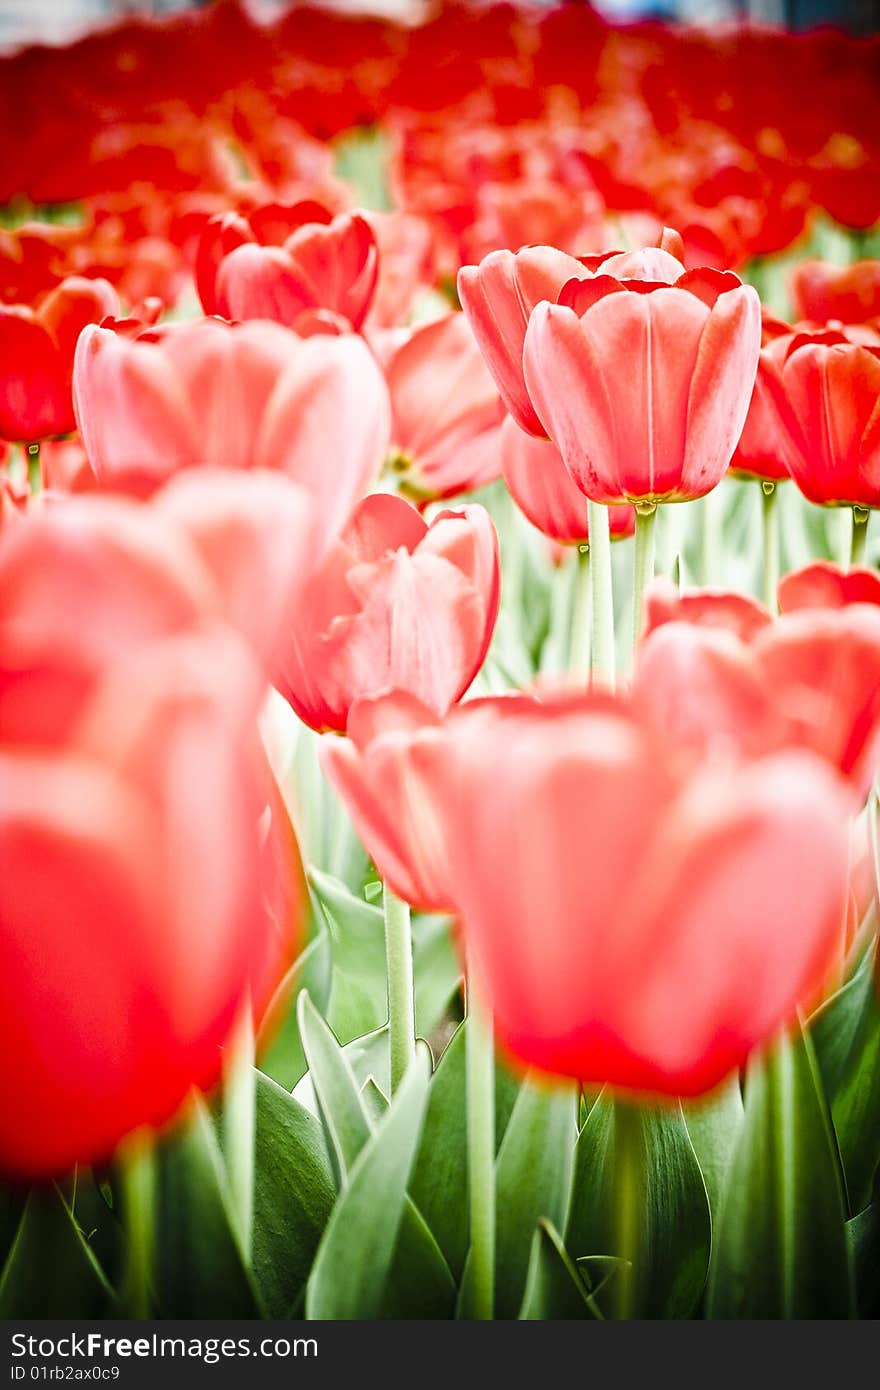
860,516
480,1102
710,537
602,648
627,1162
32,455
139,1193
401,991
643,565
239,1123
769,545
579,639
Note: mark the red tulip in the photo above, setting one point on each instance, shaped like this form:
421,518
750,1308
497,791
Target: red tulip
269,224
498,295
333,267
833,386
630,916
645,387
822,585
36,357
397,605
542,488
248,396
445,411
765,443
721,670
388,772
846,293
139,910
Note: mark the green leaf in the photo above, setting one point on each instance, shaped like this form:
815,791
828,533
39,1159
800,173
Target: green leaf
780,1249
532,1177
358,1001
12,1204
199,1270
51,1270
554,1287
438,1184
863,1236
375,1101
846,1037
637,1165
713,1125
343,1115
366,1056
355,1255
293,1196
279,1046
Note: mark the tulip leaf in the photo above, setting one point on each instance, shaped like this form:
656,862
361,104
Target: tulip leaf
293,1196
51,1270
358,998
343,1114
638,1194
279,1044
780,1248
437,1184
532,1178
355,1255
846,1037
554,1286
199,1269
863,1235
713,1125
375,1101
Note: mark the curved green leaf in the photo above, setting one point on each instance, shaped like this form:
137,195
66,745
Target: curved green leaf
532,1177
355,1255
780,1249
342,1111
713,1125
846,1037
50,1270
293,1196
554,1287
637,1183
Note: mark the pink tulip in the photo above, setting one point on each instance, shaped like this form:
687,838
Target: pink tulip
645,387
445,410
246,396
542,488
397,605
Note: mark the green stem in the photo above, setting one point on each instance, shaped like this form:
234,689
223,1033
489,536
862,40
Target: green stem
480,1101
627,1156
602,653
643,570
770,545
579,636
710,537
401,994
860,517
32,454
138,1184
239,1124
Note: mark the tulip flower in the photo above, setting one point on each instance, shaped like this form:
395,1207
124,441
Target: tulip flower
445,411
765,442
36,357
634,918
140,906
387,772
247,396
397,605
498,296
542,488
833,386
645,386
823,585
846,293
720,669
331,267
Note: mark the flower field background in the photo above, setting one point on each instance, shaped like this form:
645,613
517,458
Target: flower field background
439,670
